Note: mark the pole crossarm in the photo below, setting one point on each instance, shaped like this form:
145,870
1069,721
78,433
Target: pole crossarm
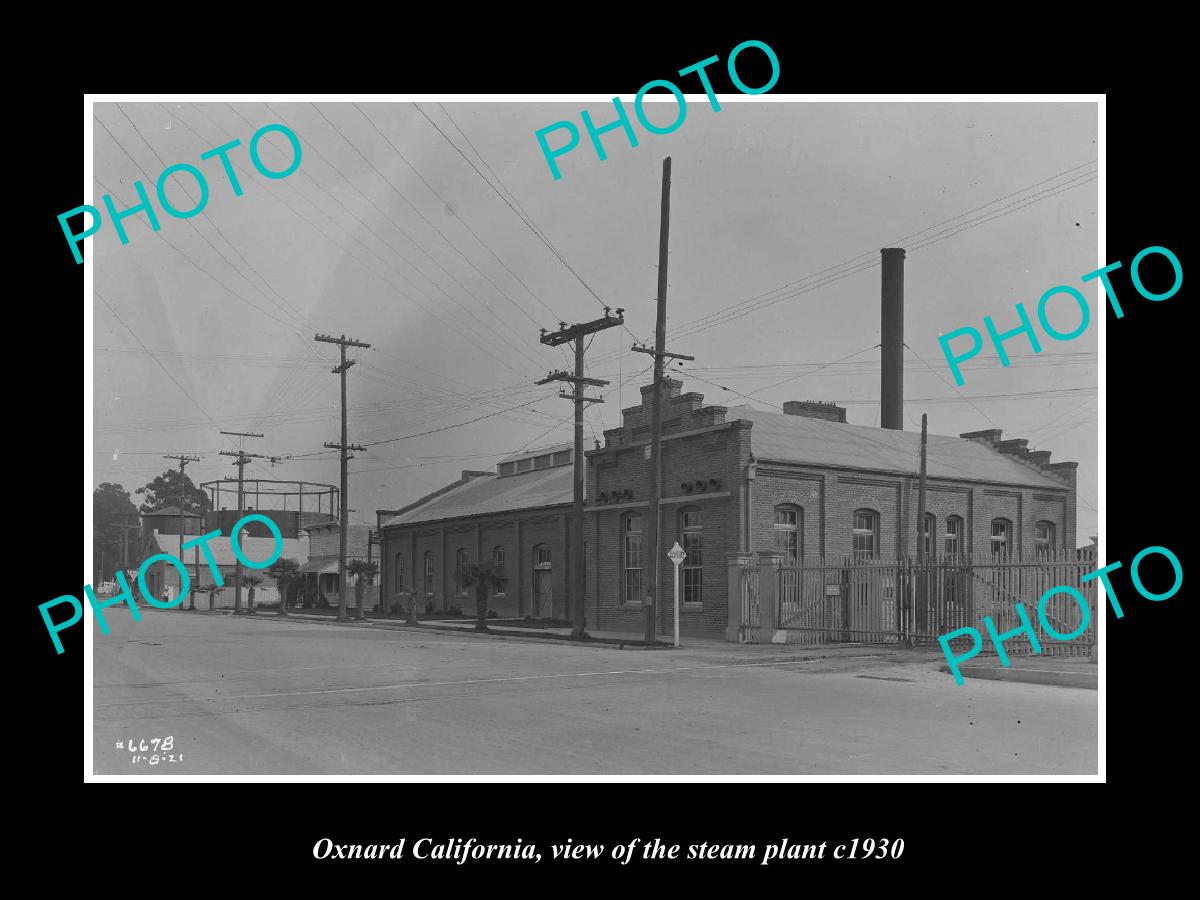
662,354
567,333
563,395
334,445
343,340
560,375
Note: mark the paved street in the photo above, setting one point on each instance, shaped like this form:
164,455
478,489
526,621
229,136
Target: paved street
265,696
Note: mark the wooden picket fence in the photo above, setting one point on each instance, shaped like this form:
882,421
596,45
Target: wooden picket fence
888,601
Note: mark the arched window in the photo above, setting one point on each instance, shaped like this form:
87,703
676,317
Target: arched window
631,557
428,573
1001,536
498,562
691,527
399,572
461,561
929,535
789,533
1043,538
866,533
954,535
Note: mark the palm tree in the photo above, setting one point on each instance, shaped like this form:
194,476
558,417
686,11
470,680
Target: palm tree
360,569
250,580
485,576
211,590
284,571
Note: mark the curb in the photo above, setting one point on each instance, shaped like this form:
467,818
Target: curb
1053,677
469,632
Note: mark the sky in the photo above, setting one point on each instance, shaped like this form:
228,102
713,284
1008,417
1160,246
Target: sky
436,233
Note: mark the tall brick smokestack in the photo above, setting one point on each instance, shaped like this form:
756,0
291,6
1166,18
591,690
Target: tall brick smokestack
891,384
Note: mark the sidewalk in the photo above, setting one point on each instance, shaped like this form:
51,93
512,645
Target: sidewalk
713,649
1061,671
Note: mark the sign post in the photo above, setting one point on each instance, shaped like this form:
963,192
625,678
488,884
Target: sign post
677,555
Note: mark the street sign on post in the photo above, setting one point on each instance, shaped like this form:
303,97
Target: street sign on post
677,555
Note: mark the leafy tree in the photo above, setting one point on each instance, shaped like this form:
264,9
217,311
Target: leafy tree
163,491
284,571
112,505
484,576
360,569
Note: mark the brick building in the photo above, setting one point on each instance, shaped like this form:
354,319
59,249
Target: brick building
518,515
735,480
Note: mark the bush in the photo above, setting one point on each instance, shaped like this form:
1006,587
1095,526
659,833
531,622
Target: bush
454,611
492,614
429,608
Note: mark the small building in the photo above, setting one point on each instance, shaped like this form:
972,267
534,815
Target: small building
166,521
164,577
318,585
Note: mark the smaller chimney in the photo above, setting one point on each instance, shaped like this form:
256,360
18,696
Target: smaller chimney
815,409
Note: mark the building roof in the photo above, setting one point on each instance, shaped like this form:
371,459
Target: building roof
818,442
491,494
529,454
356,538
253,548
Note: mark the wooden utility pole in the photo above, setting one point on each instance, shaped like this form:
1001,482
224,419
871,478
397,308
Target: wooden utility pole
564,335
922,576
125,539
653,539
343,342
183,461
242,457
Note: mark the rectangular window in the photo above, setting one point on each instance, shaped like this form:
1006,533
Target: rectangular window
498,562
1043,538
632,559
460,572
927,538
399,572
1001,536
953,535
866,533
428,574
693,565
787,534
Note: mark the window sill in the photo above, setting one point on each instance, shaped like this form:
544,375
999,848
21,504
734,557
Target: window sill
691,607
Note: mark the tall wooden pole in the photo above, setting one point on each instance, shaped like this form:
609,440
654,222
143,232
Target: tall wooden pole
343,511
242,457
922,575
183,461
579,563
660,340
565,334
344,505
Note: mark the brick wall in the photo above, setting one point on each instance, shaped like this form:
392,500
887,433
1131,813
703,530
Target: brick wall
518,534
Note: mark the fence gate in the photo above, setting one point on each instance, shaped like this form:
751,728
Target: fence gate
878,601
